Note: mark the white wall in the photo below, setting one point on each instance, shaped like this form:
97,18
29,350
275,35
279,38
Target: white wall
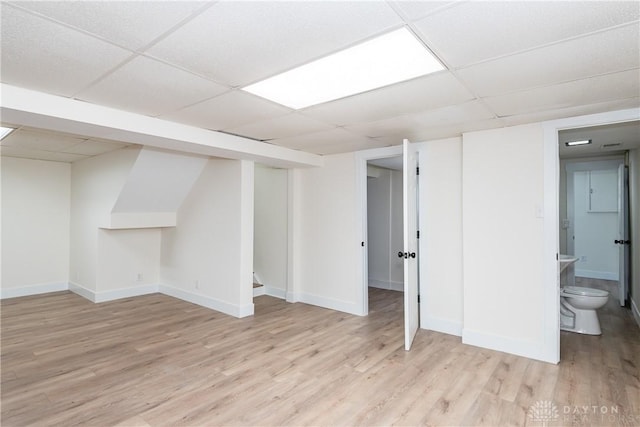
127,259
440,194
327,236
594,231
384,229
502,189
207,258
35,225
270,229
159,181
634,203
95,186
378,228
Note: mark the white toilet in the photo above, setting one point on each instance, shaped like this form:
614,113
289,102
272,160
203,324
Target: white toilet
578,309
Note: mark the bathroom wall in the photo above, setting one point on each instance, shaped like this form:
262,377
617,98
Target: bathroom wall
594,230
563,194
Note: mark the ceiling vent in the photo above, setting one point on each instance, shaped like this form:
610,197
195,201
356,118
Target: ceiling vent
613,144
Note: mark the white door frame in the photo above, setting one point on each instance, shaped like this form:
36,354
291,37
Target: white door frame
551,272
361,159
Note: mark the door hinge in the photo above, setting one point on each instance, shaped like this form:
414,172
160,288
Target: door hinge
417,170
418,299
362,244
418,234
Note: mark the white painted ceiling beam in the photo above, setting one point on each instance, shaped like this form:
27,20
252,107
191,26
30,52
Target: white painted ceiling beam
25,107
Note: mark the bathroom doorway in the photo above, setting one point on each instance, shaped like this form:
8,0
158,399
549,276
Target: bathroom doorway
594,203
551,218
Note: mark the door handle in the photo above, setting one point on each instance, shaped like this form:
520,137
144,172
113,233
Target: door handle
622,242
406,255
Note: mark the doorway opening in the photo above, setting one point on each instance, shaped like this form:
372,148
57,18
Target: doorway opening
270,231
409,251
385,270
550,351
595,211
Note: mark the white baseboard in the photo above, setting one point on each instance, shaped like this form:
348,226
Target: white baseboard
82,291
208,302
275,292
136,291
603,275
292,297
103,296
529,349
635,311
333,304
114,294
40,288
381,284
260,290
441,325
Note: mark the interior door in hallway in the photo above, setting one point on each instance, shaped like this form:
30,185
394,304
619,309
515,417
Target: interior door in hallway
410,253
622,241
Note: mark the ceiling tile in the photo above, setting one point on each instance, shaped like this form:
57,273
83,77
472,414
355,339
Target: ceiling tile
38,140
238,42
476,31
48,57
94,148
414,10
393,126
572,94
429,92
149,87
413,124
336,136
229,110
439,132
39,155
131,24
540,116
602,53
346,147
281,127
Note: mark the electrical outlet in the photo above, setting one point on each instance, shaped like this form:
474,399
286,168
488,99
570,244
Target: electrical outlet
197,284
139,278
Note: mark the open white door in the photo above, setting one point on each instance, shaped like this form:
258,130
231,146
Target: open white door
623,234
410,224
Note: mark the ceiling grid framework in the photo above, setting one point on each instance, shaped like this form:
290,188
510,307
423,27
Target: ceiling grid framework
506,63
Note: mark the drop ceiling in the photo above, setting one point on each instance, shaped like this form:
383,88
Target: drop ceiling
613,139
507,63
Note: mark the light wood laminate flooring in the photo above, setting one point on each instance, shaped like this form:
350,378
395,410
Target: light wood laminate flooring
158,361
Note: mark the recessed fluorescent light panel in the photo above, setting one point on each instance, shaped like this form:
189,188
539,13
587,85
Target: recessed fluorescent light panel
391,58
573,143
5,131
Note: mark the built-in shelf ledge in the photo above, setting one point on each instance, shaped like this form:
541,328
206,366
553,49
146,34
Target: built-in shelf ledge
127,220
